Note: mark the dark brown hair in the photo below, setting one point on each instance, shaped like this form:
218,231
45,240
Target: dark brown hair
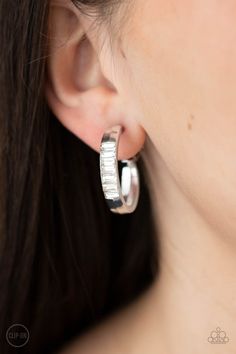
65,260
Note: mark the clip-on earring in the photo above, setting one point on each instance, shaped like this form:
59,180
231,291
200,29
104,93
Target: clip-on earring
121,194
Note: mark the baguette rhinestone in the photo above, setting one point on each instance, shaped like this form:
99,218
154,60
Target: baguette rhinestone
112,188
110,175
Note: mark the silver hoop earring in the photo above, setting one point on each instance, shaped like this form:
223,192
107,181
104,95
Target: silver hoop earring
121,194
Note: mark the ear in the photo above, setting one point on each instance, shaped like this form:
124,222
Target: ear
78,93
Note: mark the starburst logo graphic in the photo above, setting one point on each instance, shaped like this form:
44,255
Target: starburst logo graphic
218,337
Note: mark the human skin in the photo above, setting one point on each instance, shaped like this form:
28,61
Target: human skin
169,78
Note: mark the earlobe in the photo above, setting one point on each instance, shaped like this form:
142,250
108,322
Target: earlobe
77,92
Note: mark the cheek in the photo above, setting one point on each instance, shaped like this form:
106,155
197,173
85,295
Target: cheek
182,64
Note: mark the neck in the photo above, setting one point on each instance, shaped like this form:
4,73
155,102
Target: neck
196,289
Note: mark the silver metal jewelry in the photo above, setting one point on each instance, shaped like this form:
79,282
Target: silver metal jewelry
121,194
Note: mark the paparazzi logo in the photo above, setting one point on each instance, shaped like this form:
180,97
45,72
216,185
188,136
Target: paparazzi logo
218,337
17,335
